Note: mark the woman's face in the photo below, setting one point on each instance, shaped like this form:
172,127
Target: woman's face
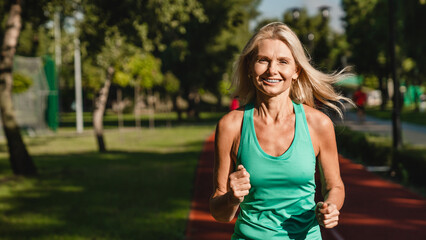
274,68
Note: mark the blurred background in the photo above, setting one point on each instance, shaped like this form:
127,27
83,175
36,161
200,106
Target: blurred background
105,105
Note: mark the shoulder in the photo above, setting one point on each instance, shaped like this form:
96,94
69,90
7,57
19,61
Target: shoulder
228,131
232,121
317,119
321,129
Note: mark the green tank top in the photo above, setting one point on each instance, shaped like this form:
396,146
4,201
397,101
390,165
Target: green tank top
281,203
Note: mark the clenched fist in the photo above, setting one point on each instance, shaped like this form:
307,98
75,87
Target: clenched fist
327,214
239,183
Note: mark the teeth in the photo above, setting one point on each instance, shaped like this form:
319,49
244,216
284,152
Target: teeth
271,80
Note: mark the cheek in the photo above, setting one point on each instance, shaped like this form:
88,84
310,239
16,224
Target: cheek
288,72
260,69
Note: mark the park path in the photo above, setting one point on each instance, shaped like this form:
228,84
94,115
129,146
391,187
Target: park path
411,133
374,208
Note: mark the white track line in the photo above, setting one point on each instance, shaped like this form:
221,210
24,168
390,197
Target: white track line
336,234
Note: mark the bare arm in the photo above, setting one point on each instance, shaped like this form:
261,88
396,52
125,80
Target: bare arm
229,187
333,189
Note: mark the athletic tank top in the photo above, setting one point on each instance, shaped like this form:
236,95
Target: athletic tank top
281,203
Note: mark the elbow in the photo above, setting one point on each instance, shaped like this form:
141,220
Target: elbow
218,215
222,218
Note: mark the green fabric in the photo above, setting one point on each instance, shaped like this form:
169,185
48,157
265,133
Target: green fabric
281,203
52,112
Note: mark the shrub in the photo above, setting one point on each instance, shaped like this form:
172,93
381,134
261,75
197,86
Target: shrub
409,163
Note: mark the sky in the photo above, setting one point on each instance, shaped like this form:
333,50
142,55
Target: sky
276,9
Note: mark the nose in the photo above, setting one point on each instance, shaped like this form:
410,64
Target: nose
272,68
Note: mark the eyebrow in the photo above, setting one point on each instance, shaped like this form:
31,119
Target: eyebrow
279,58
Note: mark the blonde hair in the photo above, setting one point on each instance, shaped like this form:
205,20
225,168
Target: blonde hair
310,86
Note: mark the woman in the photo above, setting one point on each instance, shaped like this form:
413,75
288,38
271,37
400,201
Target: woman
266,151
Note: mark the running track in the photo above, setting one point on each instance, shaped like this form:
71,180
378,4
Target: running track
374,209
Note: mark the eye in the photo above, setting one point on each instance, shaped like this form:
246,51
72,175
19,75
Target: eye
283,61
262,60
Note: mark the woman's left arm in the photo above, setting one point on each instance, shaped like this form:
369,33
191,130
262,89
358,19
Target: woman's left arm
333,189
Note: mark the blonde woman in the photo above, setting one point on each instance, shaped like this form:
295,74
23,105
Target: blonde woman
267,150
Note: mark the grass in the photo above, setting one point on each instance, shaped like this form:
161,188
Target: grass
140,189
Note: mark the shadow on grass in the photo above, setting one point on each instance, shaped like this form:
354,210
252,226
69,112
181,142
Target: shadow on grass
116,195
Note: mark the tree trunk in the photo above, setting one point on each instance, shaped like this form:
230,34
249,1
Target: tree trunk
383,85
177,108
136,109
99,109
120,108
20,160
151,109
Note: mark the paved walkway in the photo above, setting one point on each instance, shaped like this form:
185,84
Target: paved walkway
411,133
374,208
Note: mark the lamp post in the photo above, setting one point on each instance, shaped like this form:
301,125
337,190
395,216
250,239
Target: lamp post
77,76
295,12
325,12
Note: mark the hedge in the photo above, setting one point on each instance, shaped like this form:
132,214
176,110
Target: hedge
408,164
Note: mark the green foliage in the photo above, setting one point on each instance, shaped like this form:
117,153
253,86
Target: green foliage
142,30
146,69
371,81
367,32
412,161
409,163
171,83
21,82
225,86
212,45
371,150
410,14
325,46
114,50
121,78
367,29
408,65
93,76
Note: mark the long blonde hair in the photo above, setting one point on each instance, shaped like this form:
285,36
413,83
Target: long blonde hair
310,86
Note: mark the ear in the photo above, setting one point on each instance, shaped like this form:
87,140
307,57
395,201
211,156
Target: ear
296,74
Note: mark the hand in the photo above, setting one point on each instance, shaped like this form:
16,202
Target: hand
239,182
327,214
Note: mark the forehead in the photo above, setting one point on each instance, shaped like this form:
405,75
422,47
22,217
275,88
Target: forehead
274,47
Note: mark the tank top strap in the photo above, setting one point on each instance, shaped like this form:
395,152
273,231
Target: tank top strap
246,128
303,129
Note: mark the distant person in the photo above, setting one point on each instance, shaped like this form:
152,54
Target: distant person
235,104
266,151
360,99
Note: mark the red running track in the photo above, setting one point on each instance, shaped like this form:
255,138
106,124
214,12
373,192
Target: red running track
374,208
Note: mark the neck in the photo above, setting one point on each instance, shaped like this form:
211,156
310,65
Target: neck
274,108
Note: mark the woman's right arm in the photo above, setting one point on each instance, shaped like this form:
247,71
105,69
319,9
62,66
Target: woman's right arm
229,187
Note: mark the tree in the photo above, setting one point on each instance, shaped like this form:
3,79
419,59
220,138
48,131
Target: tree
325,46
367,33
171,87
145,70
111,56
413,47
212,47
144,23
21,161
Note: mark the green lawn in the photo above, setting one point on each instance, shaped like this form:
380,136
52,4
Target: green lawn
140,189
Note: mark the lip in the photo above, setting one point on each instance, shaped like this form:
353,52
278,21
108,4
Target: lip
271,80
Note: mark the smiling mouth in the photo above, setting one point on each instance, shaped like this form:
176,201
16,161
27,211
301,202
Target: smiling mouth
271,80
